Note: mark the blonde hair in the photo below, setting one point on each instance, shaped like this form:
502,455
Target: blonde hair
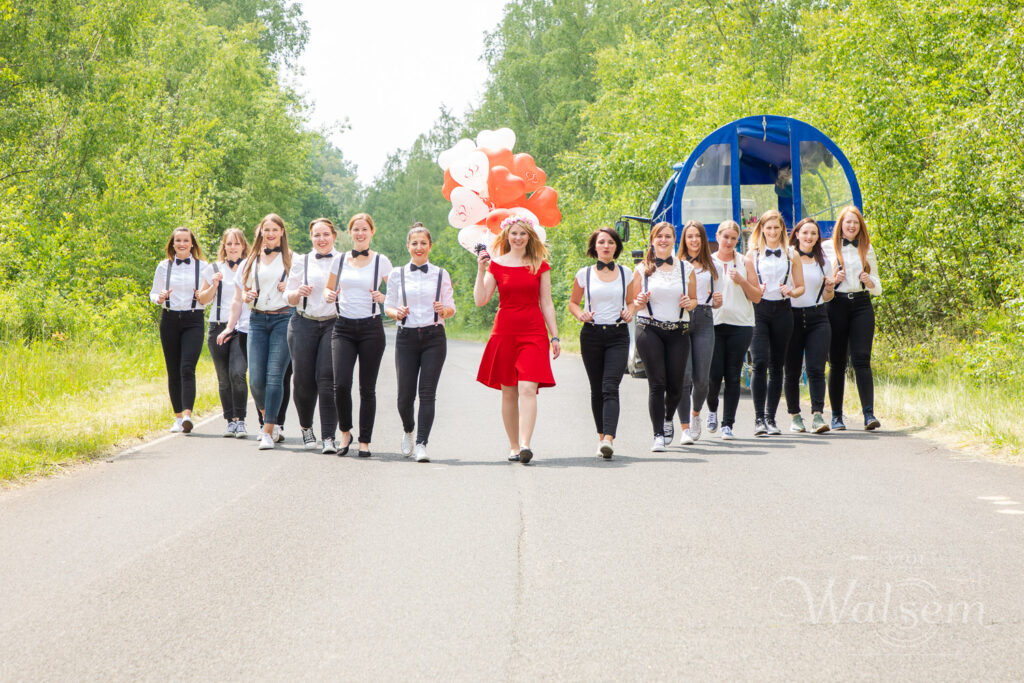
222,254
196,251
729,225
757,240
536,252
257,245
703,252
863,241
649,266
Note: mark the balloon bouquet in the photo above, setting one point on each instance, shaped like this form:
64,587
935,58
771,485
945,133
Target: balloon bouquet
486,184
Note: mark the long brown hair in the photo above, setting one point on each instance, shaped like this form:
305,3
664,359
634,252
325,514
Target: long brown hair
816,251
863,241
257,245
649,266
757,240
222,253
196,251
536,252
703,252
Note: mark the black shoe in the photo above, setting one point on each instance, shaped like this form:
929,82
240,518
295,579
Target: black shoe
343,450
513,457
525,455
871,422
760,429
837,423
364,454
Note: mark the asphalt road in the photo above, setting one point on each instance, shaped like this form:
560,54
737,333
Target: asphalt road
845,556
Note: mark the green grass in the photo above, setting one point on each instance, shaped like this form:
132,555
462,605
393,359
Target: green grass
65,403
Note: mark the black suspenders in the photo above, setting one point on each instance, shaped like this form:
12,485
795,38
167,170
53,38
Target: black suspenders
284,276
220,287
437,294
167,285
622,278
337,291
376,284
405,300
195,291
305,281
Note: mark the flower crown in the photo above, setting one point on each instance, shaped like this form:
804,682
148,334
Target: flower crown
513,219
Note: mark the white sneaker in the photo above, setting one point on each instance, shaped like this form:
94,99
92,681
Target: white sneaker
600,449
278,434
606,450
186,424
266,442
308,438
684,437
727,434
176,426
668,431
695,427
659,444
329,447
231,429
407,444
240,432
421,453
712,422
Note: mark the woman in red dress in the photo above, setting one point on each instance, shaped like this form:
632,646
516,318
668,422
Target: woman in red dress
516,357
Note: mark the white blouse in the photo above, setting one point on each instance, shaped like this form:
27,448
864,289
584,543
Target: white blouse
419,291
814,276
736,308
354,300
706,286
666,288
310,270
853,268
220,307
605,299
270,274
182,284
773,271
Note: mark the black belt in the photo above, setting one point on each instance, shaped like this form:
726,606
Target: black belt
605,326
854,295
808,308
663,324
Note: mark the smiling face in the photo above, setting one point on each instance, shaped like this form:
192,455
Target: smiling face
361,233
182,243
663,241
727,240
691,238
807,237
322,237
419,247
851,226
518,237
605,247
271,232
772,231
233,247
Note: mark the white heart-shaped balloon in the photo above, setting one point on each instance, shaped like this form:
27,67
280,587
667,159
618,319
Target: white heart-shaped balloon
460,149
467,208
471,171
503,138
473,235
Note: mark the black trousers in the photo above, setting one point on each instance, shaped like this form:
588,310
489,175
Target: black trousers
808,346
664,354
419,357
181,337
773,326
309,342
229,360
286,382
853,331
353,339
731,344
605,351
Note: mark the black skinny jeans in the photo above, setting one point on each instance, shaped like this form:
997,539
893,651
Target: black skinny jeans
811,335
773,326
230,364
853,330
605,351
698,363
181,337
363,339
419,357
309,342
731,344
664,355
286,381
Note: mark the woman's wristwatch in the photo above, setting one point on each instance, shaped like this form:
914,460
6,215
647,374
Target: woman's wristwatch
555,339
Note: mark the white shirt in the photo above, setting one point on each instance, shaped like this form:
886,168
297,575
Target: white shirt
705,285
604,299
420,293
773,271
310,270
270,274
853,268
666,288
183,284
227,294
736,308
814,275
356,284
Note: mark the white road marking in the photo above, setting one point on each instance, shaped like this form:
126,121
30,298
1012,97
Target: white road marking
1011,512
993,498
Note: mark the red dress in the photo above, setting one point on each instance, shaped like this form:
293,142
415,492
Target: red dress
518,348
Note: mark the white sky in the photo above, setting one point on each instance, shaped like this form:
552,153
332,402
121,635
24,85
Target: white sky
388,66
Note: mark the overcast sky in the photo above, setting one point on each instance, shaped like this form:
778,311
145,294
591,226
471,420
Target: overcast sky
388,66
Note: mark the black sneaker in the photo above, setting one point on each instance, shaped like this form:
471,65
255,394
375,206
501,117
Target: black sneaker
871,422
773,429
760,429
308,438
837,423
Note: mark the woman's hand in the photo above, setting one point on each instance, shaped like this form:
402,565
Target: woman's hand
626,315
586,317
830,283
377,296
401,312
217,277
556,348
250,295
483,260
865,278
224,336
641,299
786,290
305,290
165,294
281,286
735,276
330,296
716,300
686,303
840,274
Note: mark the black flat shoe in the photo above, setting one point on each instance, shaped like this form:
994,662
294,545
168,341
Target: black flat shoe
513,457
525,455
871,422
364,454
343,450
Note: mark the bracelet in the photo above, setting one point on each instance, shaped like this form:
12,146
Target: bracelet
555,339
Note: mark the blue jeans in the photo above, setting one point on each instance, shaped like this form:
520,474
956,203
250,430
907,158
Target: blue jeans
268,359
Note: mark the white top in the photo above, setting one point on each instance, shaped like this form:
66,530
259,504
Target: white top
183,284
814,275
226,294
773,271
270,274
307,269
420,292
666,288
736,308
853,267
705,285
605,299
354,300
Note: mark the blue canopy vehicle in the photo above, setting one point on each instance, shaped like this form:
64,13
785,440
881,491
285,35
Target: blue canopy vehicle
747,167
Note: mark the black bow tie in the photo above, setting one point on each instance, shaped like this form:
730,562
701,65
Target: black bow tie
773,252
234,263
659,262
691,259
808,254
357,254
327,255
601,265
846,241
268,251
179,261
413,268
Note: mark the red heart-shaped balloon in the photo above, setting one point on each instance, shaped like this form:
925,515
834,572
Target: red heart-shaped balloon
525,167
503,188
494,219
449,185
497,157
544,205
